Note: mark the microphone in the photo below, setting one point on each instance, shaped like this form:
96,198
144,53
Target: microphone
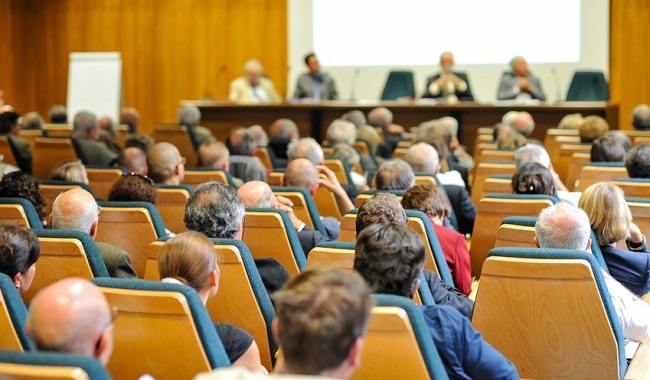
353,83
558,93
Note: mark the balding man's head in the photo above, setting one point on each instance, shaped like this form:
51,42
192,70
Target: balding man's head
257,194
563,226
423,158
524,123
306,148
380,117
72,316
301,173
165,164
284,129
75,209
133,160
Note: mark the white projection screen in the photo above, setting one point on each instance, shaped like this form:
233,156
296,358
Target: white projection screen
371,37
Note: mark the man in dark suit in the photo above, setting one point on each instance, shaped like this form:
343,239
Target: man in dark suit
448,85
91,150
315,84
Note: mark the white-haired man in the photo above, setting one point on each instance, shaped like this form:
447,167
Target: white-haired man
252,87
520,84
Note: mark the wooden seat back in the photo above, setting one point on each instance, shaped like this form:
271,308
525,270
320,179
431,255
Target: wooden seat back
48,152
263,154
16,371
196,177
9,339
482,172
640,140
300,209
13,213
512,235
326,203
101,180
497,186
552,133
640,215
634,189
337,257
578,161
561,164
348,228
337,167
58,130
171,207
180,137
594,174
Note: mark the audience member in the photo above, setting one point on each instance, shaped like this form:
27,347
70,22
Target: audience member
70,170
19,251
21,184
341,132
536,153
533,178
217,211
189,259
510,140
281,133
384,208
306,148
382,119
524,123
440,135
93,152
356,117
133,187
592,128
190,117
637,162
10,127
432,200
448,85
327,305
253,87
144,142
612,146
242,163
564,226
72,316
571,121
131,118
371,136
611,221
391,258
351,157
165,164
107,134
424,158
394,174
57,114
134,160
33,121
259,135
641,117
77,210
315,85
520,84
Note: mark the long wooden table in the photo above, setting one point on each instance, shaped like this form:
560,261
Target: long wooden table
313,118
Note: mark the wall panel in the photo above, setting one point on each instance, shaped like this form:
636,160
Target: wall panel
171,49
629,60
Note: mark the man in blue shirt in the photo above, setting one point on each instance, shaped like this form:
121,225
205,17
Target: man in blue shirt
391,257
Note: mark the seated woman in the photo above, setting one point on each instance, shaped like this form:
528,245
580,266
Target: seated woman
432,200
611,221
189,259
21,184
533,178
19,250
70,170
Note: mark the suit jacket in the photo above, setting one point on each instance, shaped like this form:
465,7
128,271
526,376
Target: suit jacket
272,273
508,88
463,207
305,87
117,261
308,239
94,152
630,268
247,168
242,92
461,95
22,152
444,294
456,254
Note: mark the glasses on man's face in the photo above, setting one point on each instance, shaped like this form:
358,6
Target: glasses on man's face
144,177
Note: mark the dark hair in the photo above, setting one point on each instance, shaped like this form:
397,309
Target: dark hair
637,162
428,198
19,249
533,178
21,184
8,120
610,147
382,208
309,56
215,210
390,258
132,187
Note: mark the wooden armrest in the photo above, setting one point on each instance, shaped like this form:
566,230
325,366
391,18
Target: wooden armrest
639,368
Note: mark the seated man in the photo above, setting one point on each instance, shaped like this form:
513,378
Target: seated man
165,164
242,162
641,117
390,258
519,84
215,154
385,208
10,127
253,87
321,319
315,85
217,211
613,146
432,200
190,117
77,210
85,132
72,316
382,119
259,194
448,85
566,226
134,160
281,133
637,162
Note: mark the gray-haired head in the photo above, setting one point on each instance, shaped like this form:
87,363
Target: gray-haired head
356,117
285,129
84,123
76,210
215,210
380,117
509,117
641,117
531,153
306,148
189,116
423,158
450,124
394,175
341,132
259,135
563,226
253,65
33,121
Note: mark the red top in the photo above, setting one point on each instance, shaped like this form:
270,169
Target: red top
456,254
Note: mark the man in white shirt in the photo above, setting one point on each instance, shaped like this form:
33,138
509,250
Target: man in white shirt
566,226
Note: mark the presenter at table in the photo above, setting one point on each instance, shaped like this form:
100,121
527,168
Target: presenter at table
448,85
520,84
315,85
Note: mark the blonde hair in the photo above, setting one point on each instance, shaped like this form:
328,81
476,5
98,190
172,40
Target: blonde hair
70,170
188,257
609,215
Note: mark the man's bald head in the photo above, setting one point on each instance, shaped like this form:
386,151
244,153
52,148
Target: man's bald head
524,123
257,194
306,148
284,129
72,316
380,117
75,209
423,158
133,160
163,161
301,173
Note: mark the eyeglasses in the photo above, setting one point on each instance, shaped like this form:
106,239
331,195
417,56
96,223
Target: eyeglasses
144,177
183,161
